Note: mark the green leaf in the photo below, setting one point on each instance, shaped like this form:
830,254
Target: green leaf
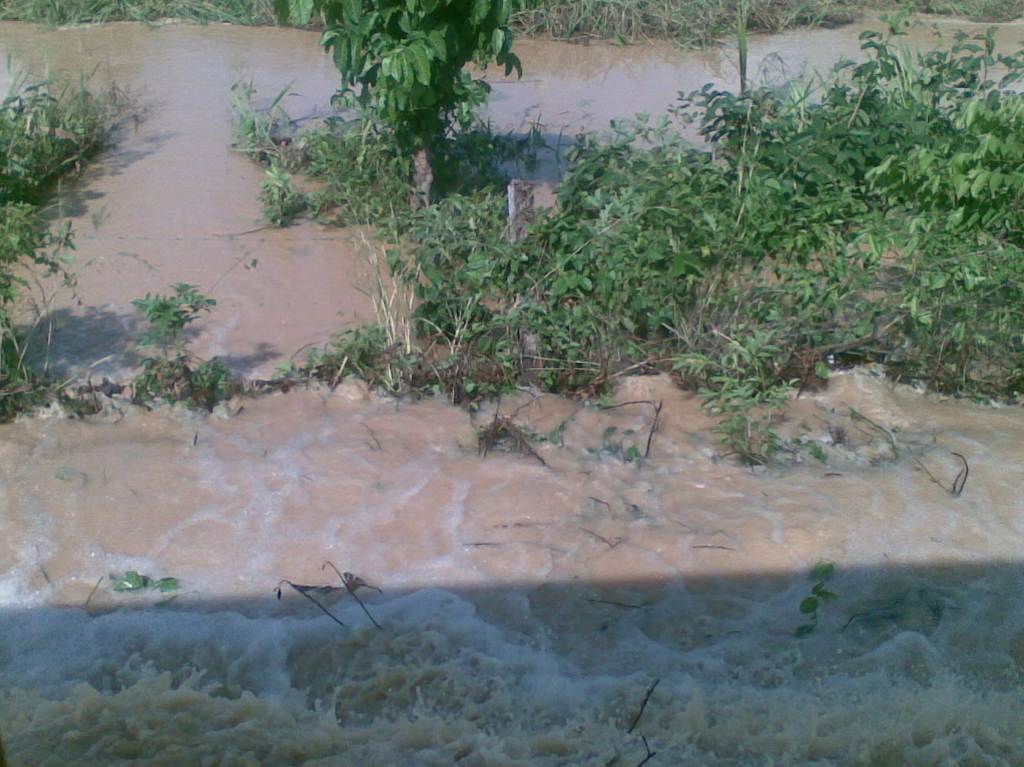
823,571
300,11
167,584
498,41
421,62
809,605
130,581
822,593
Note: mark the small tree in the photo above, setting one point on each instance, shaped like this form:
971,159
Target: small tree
403,61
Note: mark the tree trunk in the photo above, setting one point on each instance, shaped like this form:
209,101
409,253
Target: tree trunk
423,178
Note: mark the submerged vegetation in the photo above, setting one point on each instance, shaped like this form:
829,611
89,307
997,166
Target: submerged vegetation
47,129
875,216
173,374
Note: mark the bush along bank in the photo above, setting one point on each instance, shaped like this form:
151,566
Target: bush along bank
47,130
876,216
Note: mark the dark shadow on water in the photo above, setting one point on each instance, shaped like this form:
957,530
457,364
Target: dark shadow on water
545,661
246,364
96,340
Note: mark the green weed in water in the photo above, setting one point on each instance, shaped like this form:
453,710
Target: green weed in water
282,200
174,374
809,605
131,581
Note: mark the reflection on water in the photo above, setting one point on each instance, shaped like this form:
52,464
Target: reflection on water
530,602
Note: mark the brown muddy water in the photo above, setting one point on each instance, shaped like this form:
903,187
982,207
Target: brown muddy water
529,602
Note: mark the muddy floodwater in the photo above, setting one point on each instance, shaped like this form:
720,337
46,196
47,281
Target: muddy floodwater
621,593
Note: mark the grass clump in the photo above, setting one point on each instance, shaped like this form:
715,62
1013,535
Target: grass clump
61,12
365,352
697,23
47,130
692,23
282,200
356,173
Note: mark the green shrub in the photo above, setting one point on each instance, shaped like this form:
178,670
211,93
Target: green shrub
878,222
46,130
173,374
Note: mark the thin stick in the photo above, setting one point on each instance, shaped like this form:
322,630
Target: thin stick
601,538
654,427
931,476
304,591
643,706
624,404
614,604
89,598
855,415
712,546
351,583
650,754
242,234
961,478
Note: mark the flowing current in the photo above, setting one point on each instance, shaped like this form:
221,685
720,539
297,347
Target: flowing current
578,605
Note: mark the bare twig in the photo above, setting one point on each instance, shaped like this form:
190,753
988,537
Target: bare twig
650,754
656,406
960,481
305,591
856,415
353,582
601,538
373,436
654,427
242,234
626,404
615,604
505,428
643,706
88,599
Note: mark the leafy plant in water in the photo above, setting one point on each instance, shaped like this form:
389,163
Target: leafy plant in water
133,581
403,62
365,352
282,201
809,605
169,315
799,244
